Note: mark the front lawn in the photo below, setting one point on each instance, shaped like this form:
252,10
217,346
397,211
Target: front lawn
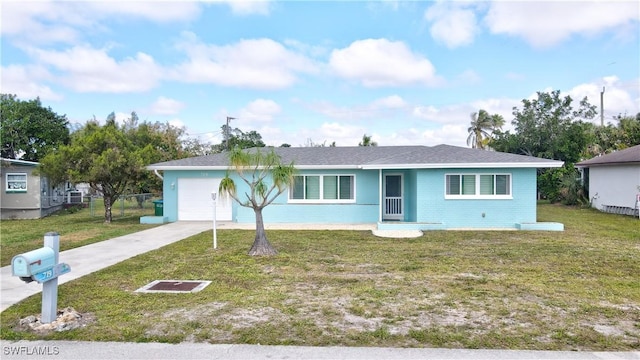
571,290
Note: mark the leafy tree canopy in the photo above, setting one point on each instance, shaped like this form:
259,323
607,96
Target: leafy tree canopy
366,141
28,130
548,127
238,138
111,157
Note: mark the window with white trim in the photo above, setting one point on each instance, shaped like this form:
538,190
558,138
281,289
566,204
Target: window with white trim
322,188
480,186
16,182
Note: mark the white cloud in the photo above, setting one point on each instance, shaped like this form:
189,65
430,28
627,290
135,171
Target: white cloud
255,63
177,123
380,62
452,23
85,69
166,106
547,23
393,101
243,7
617,100
26,81
162,11
46,22
259,110
377,108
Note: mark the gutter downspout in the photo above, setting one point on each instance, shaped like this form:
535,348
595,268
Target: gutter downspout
158,174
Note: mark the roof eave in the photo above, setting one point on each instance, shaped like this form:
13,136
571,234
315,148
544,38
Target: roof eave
550,164
226,167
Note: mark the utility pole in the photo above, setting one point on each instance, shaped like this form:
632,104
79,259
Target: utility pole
226,132
602,107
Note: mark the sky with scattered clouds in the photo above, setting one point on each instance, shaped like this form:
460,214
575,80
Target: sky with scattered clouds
403,72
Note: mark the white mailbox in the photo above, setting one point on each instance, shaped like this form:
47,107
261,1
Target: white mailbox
28,265
42,266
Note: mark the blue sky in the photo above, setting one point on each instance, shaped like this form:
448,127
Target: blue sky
402,72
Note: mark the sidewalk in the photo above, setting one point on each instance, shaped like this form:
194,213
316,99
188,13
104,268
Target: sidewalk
83,350
87,259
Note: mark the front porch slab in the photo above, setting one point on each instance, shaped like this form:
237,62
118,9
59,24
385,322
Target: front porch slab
541,226
408,226
397,234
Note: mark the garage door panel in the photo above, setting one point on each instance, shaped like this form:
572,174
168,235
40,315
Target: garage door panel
195,204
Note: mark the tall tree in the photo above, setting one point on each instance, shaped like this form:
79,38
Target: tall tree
166,144
105,157
239,138
28,130
482,128
267,178
366,141
549,127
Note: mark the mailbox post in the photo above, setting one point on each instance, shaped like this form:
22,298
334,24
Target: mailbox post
42,266
50,288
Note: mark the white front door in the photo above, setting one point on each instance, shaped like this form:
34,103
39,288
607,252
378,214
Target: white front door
393,192
195,203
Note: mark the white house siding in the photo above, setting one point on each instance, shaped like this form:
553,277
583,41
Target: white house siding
614,186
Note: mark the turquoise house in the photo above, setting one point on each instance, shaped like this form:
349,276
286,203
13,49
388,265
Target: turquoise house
395,187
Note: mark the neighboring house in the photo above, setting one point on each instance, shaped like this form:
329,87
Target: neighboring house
613,181
395,187
26,195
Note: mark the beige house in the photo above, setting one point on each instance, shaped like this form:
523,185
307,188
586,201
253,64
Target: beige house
26,195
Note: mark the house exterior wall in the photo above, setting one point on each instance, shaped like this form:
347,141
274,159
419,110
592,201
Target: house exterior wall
425,202
363,210
614,185
18,204
432,207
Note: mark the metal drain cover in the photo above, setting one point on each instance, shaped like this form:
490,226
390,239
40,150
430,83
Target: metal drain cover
174,286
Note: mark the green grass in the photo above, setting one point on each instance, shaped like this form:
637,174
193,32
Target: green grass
571,290
76,228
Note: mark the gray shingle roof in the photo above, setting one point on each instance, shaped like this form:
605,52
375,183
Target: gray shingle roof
628,155
374,157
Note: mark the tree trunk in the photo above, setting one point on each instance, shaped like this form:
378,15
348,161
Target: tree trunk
107,208
261,246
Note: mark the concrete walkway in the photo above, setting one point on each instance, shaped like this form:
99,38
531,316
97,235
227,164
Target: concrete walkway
87,259
91,258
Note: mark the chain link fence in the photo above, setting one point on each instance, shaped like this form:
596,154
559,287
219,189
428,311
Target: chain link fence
126,205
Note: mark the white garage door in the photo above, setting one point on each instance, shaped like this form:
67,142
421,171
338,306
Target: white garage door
195,204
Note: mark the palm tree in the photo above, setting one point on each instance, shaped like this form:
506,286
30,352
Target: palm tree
480,129
267,177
